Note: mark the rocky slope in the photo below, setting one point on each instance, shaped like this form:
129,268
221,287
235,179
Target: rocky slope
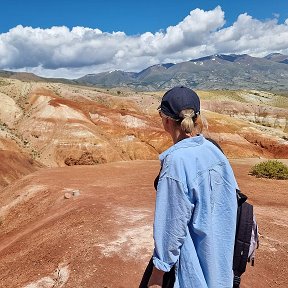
56,125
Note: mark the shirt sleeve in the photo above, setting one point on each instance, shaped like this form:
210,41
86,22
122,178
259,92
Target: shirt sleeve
172,214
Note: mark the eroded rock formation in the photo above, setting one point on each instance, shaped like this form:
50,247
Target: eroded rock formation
56,125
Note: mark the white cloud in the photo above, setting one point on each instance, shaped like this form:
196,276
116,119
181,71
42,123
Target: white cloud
61,52
251,36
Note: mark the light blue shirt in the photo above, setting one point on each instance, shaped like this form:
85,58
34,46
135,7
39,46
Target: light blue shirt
195,215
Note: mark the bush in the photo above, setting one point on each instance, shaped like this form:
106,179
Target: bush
270,169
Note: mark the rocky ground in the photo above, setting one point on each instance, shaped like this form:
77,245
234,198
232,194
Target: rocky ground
91,226
77,166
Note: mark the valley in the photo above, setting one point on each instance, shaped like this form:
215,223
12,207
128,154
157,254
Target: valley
76,179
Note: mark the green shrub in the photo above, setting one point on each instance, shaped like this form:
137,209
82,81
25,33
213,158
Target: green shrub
273,169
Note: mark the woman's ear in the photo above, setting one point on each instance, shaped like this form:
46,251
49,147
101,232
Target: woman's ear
170,125
166,123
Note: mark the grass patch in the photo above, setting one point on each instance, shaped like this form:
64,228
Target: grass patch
272,169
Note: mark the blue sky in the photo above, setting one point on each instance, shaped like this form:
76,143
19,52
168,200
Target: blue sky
129,16
38,36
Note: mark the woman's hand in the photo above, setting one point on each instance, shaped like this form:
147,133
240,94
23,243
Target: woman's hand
156,278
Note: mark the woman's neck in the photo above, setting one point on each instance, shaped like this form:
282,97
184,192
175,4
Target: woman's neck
175,131
179,135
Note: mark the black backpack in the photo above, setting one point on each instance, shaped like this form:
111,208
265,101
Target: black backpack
246,238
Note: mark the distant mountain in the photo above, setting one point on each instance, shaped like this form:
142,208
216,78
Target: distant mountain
211,72
277,57
25,76
218,71
108,79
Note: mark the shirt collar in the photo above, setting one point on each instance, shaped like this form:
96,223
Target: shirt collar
187,142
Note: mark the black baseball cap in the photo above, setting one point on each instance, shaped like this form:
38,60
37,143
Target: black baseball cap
177,99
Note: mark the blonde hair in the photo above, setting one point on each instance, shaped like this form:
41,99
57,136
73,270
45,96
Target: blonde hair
191,123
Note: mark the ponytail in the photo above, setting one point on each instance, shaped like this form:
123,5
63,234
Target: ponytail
191,122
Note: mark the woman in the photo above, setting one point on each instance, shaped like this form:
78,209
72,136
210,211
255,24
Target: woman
196,206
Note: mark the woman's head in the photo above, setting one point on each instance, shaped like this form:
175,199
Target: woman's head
182,106
177,99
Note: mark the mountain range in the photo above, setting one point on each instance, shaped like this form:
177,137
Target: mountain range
211,72
231,72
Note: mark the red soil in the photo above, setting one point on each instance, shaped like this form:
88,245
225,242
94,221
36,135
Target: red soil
102,235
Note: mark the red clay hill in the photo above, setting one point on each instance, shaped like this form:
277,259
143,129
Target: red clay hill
76,211
58,125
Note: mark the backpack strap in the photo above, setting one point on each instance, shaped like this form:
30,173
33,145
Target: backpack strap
241,198
242,238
